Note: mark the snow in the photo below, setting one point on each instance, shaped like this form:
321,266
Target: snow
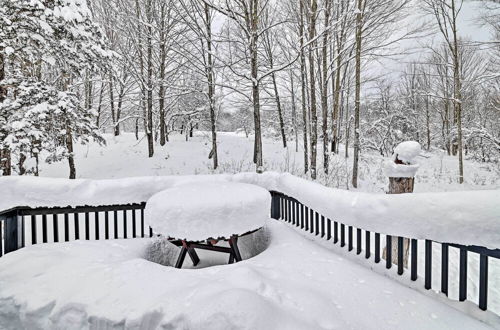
294,284
393,170
9,50
407,152
466,217
198,211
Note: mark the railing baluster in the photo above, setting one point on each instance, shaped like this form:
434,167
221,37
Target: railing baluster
134,233
66,227
316,225
388,252
289,209
288,212
44,228
349,248
296,213
322,226
55,227
328,229
33,229
106,225
311,218
414,259
124,223
142,222
335,232
96,219
115,223
367,244
306,218
342,235
285,205
358,241
377,248
428,264
283,208
462,278
77,226
483,282
87,226
23,238
301,216
444,268
400,255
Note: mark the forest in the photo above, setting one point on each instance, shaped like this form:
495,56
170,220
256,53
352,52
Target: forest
344,77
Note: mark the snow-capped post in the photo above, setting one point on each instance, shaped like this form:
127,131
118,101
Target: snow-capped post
401,170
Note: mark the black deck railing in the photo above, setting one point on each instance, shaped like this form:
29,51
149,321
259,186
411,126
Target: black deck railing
297,214
23,226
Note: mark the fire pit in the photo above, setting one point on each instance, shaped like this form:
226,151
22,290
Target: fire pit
199,216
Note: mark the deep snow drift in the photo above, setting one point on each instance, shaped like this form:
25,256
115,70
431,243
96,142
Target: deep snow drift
294,284
198,211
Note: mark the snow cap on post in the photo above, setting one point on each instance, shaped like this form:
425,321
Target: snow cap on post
404,160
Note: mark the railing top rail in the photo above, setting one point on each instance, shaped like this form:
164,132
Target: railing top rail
26,210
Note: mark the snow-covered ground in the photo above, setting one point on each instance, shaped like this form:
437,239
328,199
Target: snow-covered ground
293,284
125,157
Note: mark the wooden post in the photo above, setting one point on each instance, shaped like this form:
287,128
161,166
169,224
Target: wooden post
401,181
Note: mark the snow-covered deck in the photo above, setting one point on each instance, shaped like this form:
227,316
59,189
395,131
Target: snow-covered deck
294,284
298,282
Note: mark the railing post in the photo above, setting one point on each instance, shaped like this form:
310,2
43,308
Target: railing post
275,206
12,230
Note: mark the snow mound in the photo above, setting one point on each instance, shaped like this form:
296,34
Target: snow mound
407,152
198,211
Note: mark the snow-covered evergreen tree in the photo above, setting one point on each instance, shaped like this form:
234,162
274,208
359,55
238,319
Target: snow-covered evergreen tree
46,47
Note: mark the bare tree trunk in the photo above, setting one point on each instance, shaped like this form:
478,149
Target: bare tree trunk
254,19
324,89
69,146
294,113
211,87
347,119
428,123
312,82
137,129
161,92
457,101
149,130
280,111
357,94
5,158
99,106
121,95
303,86
112,102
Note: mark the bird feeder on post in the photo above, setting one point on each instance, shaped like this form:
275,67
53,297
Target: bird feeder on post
401,170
